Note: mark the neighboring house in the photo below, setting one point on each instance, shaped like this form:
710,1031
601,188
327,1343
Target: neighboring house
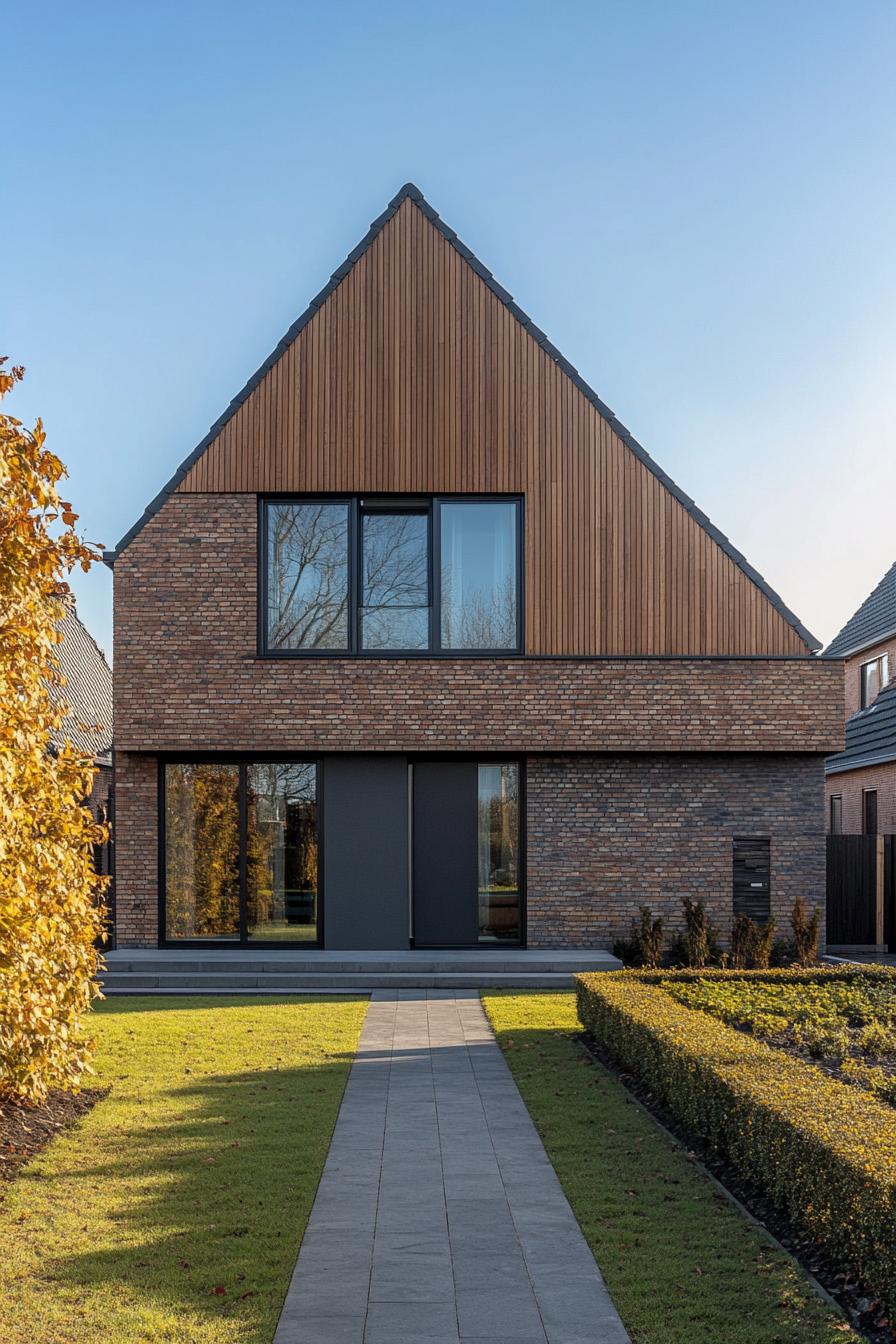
88,695
420,646
861,781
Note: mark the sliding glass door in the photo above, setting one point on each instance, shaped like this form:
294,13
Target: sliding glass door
281,852
241,852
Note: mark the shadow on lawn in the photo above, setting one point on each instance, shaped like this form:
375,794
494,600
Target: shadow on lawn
210,1198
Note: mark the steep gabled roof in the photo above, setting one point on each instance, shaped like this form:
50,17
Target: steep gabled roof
874,621
88,691
870,736
410,192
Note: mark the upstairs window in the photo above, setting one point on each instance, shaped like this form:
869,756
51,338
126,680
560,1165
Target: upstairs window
374,575
873,677
307,576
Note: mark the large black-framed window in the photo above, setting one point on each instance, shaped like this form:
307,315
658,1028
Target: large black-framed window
378,575
239,852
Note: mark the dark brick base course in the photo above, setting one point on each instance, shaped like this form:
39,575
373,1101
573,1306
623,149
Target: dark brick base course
605,835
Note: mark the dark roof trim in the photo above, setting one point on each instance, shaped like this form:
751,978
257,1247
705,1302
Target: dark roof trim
410,192
872,623
835,767
880,638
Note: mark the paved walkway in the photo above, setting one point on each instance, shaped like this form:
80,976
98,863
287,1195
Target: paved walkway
439,1218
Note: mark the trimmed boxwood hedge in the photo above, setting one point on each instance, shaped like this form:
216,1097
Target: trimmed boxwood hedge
823,1151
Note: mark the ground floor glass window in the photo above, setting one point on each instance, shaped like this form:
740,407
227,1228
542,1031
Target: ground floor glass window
202,851
281,852
498,849
241,852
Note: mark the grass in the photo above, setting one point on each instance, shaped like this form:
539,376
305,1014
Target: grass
682,1264
173,1212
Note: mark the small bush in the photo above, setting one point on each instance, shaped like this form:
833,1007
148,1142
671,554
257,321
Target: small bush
762,948
626,949
700,943
743,942
805,932
648,938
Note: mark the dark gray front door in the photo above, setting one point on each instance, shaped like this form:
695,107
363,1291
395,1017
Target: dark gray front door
446,912
365,813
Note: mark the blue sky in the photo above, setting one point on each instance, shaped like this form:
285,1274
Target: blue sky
696,201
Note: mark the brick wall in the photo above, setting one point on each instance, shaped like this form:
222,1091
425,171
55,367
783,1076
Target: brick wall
851,784
136,850
187,675
607,834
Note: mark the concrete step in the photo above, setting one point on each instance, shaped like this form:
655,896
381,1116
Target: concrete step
238,982
184,962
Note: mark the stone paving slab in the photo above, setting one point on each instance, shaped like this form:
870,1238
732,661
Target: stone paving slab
439,1217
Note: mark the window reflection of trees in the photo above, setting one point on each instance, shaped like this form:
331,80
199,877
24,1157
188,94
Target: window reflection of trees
201,851
281,849
308,576
479,618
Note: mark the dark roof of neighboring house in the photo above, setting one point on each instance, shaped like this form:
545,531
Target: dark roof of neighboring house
870,735
409,191
88,691
874,621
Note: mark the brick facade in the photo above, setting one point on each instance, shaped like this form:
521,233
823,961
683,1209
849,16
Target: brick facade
607,834
851,784
187,676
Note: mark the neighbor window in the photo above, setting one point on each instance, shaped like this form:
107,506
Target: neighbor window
836,826
381,574
869,811
874,676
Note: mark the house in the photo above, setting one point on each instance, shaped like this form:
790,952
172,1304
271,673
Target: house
860,781
420,648
88,698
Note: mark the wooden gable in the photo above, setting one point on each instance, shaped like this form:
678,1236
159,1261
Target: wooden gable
417,373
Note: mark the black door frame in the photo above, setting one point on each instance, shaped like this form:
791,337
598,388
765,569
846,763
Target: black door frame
492,757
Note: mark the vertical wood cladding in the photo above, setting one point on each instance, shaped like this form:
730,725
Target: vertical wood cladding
413,376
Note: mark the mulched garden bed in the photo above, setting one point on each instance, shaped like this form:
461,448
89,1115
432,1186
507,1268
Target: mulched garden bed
25,1129
855,1299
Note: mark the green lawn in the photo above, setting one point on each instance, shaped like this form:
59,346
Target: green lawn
174,1211
683,1265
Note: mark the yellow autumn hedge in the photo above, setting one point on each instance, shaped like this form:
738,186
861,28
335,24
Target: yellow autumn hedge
823,1151
49,893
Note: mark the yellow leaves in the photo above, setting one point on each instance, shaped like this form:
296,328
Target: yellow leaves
50,897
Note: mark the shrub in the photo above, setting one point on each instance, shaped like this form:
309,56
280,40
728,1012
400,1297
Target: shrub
50,918
762,947
647,935
626,949
743,942
823,1151
700,941
805,932
751,944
